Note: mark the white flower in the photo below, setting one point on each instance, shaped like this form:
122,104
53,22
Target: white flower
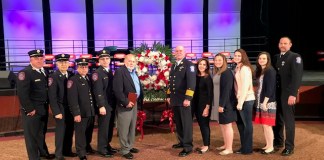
153,78
166,74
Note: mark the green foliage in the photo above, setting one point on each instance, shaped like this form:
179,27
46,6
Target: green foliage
157,46
154,95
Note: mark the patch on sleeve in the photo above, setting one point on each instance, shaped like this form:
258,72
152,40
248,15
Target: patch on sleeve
95,76
69,84
298,60
192,68
50,81
21,76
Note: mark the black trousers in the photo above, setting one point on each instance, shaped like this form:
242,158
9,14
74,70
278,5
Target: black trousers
83,135
203,125
285,117
64,134
103,132
183,121
111,126
35,128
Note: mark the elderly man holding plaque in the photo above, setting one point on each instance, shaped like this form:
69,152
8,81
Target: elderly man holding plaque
129,95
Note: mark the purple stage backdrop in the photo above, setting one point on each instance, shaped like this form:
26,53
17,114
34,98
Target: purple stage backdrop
23,28
110,23
68,19
23,22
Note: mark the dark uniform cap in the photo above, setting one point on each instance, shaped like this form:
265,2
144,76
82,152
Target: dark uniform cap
82,61
103,53
62,57
36,53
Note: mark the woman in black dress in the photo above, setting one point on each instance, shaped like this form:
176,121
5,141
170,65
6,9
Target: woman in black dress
227,102
202,101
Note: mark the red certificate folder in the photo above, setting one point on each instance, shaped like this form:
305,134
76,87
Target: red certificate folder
132,97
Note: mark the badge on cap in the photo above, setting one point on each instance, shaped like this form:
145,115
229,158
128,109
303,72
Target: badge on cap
95,76
38,51
21,76
83,60
63,55
69,84
50,81
298,60
104,51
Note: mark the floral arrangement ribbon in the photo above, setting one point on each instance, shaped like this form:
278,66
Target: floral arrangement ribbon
141,117
168,114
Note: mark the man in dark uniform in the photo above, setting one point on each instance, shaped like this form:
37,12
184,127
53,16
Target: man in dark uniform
180,93
102,79
32,93
57,93
81,103
127,85
289,67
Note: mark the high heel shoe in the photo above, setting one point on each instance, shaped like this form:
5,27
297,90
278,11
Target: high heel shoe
225,152
203,151
268,152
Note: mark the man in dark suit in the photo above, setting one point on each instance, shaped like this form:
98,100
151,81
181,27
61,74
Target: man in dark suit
32,93
81,102
289,67
180,93
102,79
126,83
57,93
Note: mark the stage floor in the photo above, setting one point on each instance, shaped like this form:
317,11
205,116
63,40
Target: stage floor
157,142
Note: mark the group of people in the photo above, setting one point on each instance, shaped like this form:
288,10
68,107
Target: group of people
265,95
224,94
75,100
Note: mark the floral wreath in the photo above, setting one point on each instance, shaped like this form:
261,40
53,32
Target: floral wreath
153,68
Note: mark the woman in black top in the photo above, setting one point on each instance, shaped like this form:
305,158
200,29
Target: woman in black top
202,101
266,106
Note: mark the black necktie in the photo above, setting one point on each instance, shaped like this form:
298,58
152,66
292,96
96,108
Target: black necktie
281,55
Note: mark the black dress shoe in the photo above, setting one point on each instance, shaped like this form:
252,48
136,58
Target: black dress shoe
70,154
287,152
134,150
128,155
47,156
83,158
184,153
107,154
112,150
177,146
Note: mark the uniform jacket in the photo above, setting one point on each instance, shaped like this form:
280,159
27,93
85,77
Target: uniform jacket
123,84
57,92
182,82
102,88
80,97
32,91
289,72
